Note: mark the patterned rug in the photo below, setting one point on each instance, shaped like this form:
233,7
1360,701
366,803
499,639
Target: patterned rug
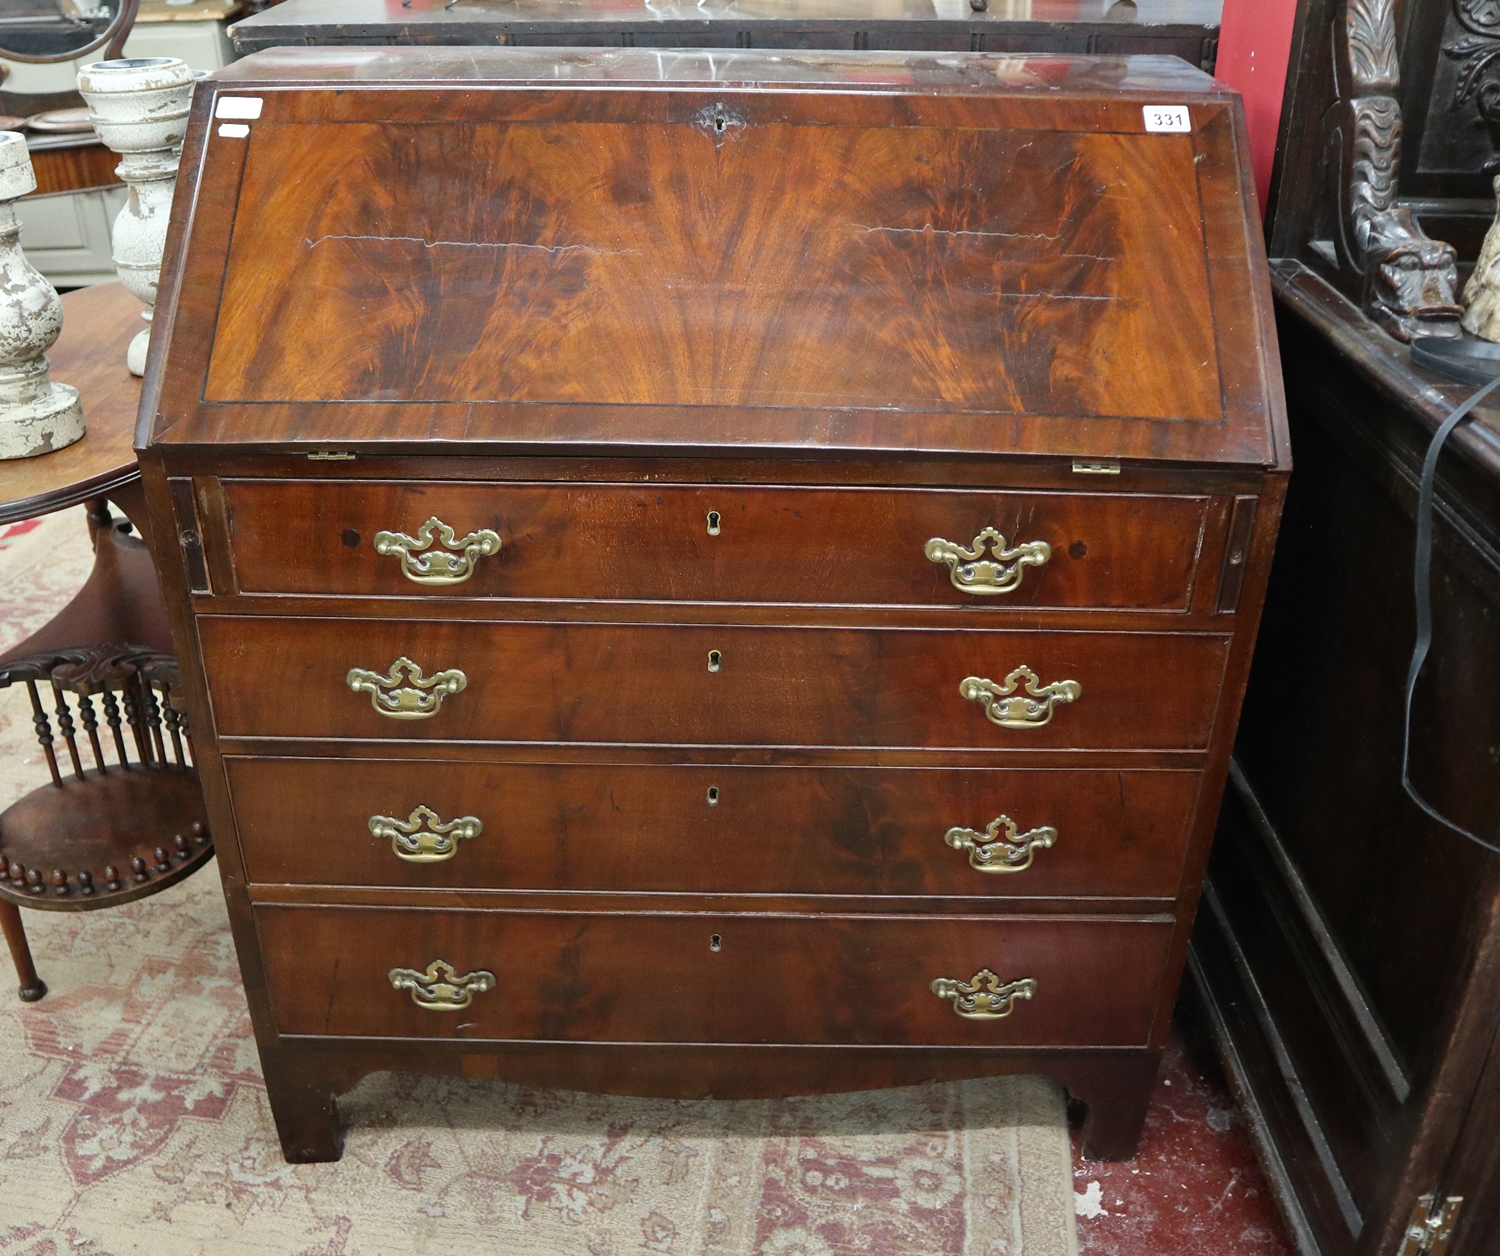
43,562
133,1118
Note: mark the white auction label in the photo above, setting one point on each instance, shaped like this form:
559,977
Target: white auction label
233,130
245,107
1167,118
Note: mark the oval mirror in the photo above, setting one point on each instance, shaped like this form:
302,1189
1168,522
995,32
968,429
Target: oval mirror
60,30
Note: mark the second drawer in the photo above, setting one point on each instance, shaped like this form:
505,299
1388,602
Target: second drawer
713,829
673,685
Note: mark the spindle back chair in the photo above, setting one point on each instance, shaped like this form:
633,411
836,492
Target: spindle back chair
109,827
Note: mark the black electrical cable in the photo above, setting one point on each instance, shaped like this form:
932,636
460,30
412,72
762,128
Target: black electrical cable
1423,583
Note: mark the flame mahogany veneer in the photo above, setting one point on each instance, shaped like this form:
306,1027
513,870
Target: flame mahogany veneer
704,354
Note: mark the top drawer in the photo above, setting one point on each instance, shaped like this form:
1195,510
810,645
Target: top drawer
714,543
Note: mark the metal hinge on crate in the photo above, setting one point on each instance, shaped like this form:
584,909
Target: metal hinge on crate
1430,1227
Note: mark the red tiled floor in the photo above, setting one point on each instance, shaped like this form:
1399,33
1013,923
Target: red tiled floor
1195,1189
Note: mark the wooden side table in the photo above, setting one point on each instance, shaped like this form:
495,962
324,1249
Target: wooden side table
123,813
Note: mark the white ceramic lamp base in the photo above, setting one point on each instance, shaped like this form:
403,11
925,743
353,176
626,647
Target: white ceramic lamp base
139,106
135,354
41,424
36,415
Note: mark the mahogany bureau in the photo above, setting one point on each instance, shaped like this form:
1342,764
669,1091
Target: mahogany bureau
712,573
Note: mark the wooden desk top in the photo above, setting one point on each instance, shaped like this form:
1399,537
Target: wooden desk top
98,323
1148,13
1040,25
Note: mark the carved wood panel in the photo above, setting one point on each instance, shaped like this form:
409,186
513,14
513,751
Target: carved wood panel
1462,135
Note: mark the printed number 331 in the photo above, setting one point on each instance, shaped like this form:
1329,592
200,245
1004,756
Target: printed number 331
1167,118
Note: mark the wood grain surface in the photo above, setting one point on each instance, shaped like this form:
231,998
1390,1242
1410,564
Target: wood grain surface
713,828
74,167
607,977
883,253
98,324
606,683
866,269
653,542
787,266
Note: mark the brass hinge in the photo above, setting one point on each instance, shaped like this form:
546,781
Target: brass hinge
1430,1227
1096,468
324,455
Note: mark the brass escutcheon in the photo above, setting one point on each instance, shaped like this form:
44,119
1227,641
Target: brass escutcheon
424,838
983,997
1029,710
440,988
972,572
990,852
411,696
452,564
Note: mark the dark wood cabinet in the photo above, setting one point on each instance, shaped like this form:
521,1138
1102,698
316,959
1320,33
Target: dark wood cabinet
1349,948
730,583
1348,945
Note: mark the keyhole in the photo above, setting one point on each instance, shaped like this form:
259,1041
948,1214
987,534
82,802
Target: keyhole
713,523
715,660
715,942
720,122
713,795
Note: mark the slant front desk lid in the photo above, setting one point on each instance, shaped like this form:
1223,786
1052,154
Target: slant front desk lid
511,249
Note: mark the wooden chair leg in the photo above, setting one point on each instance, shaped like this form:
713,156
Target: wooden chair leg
32,986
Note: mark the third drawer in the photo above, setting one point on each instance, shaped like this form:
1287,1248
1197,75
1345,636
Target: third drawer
713,828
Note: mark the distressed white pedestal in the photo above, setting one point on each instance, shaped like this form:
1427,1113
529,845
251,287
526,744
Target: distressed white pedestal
36,415
139,106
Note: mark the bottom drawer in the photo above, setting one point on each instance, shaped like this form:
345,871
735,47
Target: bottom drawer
620,977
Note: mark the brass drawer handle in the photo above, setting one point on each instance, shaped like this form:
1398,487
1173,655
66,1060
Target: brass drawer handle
452,564
440,988
1029,710
989,852
983,997
972,572
424,838
411,695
